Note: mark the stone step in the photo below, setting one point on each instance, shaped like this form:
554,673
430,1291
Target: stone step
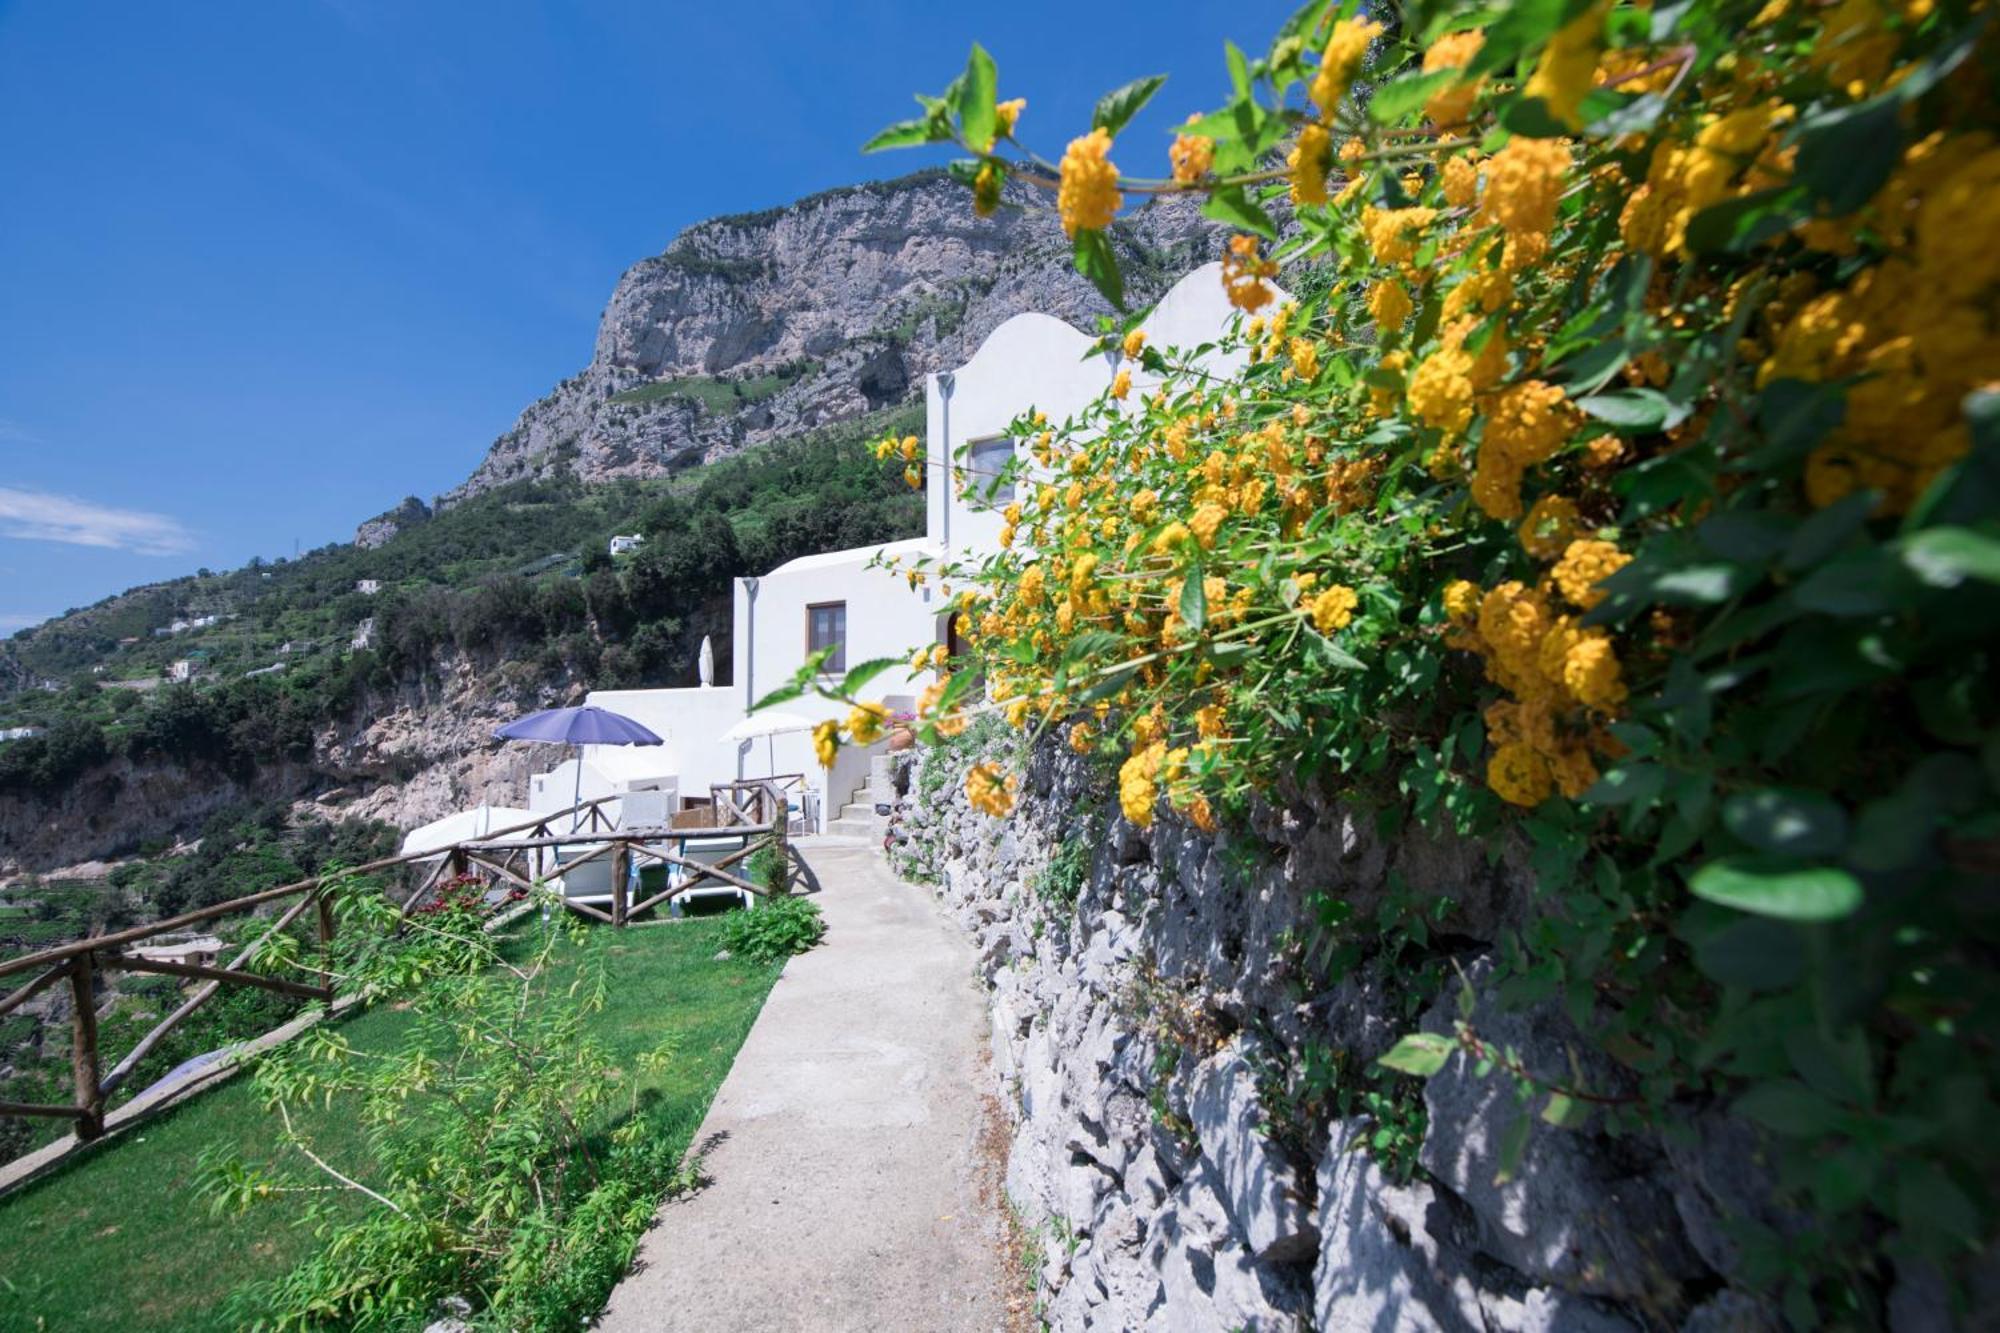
851,828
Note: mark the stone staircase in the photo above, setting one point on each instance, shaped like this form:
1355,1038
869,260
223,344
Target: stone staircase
857,818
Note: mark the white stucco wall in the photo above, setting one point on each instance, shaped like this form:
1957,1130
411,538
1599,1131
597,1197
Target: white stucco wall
691,722
1030,361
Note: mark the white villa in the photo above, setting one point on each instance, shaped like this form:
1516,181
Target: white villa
845,599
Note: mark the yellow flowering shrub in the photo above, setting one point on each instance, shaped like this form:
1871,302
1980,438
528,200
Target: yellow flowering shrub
1622,476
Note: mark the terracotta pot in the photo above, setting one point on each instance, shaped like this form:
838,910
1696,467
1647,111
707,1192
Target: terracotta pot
901,738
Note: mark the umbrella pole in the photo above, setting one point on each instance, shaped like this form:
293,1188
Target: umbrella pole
576,797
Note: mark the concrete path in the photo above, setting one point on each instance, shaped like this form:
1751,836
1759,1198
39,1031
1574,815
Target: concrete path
852,1147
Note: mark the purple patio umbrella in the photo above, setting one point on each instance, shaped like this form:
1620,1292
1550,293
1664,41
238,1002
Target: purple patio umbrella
584,725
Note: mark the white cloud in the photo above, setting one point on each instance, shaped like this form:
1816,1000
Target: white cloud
41,516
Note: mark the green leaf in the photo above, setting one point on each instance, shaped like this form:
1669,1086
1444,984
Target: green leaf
1824,533
1095,261
1754,952
1865,582
1746,536
1641,411
1928,1200
1796,415
1194,600
903,134
1596,366
1513,1147
1747,221
1790,1108
1697,585
1400,96
1420,1053
1235,207
1565,1112
1787,821
1845,156
1627,784
977,90
1946,557
1636,116
784,694
1781,890
859,676
1239,68
1116,108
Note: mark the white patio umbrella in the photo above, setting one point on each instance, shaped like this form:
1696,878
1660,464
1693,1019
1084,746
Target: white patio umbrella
705,664
768,725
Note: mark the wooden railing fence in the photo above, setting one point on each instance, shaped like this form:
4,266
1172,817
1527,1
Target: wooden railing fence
520,856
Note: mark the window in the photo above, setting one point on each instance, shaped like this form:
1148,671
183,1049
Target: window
984,462
826,627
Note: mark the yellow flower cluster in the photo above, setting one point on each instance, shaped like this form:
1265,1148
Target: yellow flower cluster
990,790
1311,153
1192,156
1088,196
1428,393
1453,105
1568,66
1340,62
1138,783
1244,274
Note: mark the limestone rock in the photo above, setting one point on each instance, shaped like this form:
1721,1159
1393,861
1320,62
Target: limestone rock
1258,1186
770,325
1387,1258
1583,1211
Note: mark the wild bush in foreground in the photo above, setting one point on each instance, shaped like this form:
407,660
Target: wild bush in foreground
773,931
507,1161
1626,476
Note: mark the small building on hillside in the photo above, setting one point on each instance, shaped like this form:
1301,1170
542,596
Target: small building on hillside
627,542
201,951
368,587
183,669
856,605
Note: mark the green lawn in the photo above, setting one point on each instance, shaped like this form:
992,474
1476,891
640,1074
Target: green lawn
118,1239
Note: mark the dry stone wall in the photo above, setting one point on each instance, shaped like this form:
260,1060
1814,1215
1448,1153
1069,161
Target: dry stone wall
1154,996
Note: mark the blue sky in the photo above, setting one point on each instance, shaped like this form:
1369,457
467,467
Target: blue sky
266,266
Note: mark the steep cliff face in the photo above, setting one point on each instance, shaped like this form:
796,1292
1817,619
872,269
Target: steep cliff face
406,755
754,327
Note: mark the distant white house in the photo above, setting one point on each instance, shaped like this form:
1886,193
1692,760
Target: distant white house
19,733
186,626
201,951
183,669
626,542
849,601
368,587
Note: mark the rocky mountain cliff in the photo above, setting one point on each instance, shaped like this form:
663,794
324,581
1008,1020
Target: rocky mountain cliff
761,325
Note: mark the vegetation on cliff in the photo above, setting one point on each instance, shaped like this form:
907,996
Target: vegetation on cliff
517,578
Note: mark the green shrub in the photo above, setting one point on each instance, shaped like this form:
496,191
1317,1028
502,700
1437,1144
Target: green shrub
774,931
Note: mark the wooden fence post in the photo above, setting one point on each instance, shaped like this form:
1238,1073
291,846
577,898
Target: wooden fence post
83,1049
621,866
326,926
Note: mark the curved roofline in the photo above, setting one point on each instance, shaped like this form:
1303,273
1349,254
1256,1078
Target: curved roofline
1188,282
